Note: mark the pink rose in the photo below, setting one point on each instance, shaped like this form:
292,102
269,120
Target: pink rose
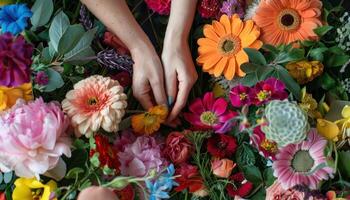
178,148
222,168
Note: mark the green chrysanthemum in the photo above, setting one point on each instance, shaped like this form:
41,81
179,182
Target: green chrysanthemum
287,123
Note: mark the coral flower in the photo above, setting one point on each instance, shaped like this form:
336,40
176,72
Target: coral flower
94,103
298,164
32,189
209,113
221,51
222,168
9,96
150,121
286,21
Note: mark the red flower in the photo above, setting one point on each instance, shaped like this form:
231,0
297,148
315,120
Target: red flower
209,8
2,196
161,7
241,186
222,146
113,41
266,147
189,178
123,78
107,155
126,193
178,148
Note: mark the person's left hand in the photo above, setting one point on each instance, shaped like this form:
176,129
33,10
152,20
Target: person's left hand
180,73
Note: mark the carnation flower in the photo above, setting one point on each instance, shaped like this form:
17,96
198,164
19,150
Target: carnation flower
209,113
95,102
161,7
231,7
140,157
298,164
14,18
189,178
9,96
222,168
221,146
178,148
150,121
241,186
266,147
15,60
33,138
240,96
270,89
209,8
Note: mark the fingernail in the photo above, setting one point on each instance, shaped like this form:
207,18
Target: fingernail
170,101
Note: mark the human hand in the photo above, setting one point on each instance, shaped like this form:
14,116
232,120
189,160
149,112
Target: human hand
180,73
148,77
97,193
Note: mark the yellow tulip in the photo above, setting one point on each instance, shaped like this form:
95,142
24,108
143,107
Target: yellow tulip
32,189
328,129
9,96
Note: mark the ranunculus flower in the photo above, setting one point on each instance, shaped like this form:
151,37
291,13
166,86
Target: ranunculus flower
178,148
239,96
189,178
15,60
141,156
209,8
33,138
161,7
241,187
222,168
221,145
267,90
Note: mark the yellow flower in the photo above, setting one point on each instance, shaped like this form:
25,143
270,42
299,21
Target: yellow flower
32,189
328,129
6,2
9,96
149,122
305,71
309,104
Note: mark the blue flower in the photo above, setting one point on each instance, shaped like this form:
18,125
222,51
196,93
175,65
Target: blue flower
14,18
160,188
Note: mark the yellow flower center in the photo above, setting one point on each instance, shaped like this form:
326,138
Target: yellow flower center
150,119
92,101
269,146
208,118
37,193
302,161
262,95
288,20
229,45
243,96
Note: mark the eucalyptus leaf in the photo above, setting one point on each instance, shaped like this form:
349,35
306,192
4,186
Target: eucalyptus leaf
55,80
70,38
255,56
46,57
58,27
8,177
1,177
42,11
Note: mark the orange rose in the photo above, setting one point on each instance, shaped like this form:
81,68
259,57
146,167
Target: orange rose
222,168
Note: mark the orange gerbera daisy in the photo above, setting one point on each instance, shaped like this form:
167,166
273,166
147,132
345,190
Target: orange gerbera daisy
286,21
149,122
221,51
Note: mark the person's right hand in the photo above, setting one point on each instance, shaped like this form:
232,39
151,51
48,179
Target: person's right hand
97,193
148,77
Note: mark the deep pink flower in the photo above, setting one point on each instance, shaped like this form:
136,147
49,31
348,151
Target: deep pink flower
209,113
141,156
161,7
267,148
209,8
33,138
15,60
42,78
239,96
123,78
241,187
270,89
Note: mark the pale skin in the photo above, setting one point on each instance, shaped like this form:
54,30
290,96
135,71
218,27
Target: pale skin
167,80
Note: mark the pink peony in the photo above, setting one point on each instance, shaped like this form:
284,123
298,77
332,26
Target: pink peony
161,7
33,138
141,156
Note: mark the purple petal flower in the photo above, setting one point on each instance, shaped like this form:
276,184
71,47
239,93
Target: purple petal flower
231,7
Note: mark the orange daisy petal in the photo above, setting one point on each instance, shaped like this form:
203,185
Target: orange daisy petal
207,42
230,69
211,62
219,28
308,27
251,37
226,22
237,25
241,58
206,50
248,26
209,32
257,44
220,66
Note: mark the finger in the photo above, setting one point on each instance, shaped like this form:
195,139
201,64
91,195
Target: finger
143,95
159,91
182,95
171,88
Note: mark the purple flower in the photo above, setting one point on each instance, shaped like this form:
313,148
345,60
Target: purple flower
15,60
239,96
270,89
231,7
42,78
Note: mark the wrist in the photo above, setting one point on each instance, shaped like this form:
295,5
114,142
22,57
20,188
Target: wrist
175,36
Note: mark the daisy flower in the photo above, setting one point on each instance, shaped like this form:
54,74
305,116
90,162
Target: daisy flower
150,121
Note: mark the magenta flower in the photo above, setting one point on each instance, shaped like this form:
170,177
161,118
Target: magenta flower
231,7
267,148
42,78
209,113
239,96
270,89
33,138
15,60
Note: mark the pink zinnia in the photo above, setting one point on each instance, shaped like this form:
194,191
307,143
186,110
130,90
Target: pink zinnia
239,96
161,7
297,164
15,60
209,113
270,89
141,156
33,138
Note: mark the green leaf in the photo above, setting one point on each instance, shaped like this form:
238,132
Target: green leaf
55,80
326,81
46,57
343,163
261,194
317,54
42,11
82,50
291,84
268,176
245,156
8,177
337,60
74,173
292,55
1,177
70,38
255,56
94,160
80,144
252,174
58,26
84,185
308,43
336,50
251,77
323,30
